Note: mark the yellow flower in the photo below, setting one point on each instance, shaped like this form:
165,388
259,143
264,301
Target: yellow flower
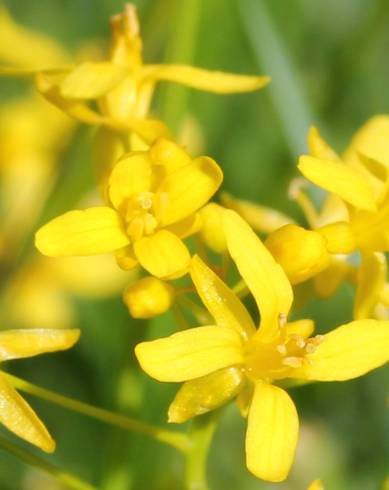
360,185
123,86
15,413
152,197
232,358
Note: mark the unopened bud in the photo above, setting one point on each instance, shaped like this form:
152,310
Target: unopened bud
301,253
148,297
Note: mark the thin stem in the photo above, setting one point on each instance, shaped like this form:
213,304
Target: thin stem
200,313
175,439
180,318
67,479
201,433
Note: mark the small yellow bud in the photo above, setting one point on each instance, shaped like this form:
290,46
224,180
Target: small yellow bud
148,297
212,228
301,253
339,236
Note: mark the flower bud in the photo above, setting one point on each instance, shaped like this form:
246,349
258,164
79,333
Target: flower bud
148,297
339,236
301,253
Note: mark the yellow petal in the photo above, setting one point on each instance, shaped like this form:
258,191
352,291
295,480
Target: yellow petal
125,258
190,354
16,344
21,419
304,328
339,179
148,297
371,281
189,188
163,255
204,394
74,108
261,218
316,485
26,48
89,232
372,140
348,351
339,236
225,307
91,80
318,147
186,227
264,277
169,155
212,232
301,253
328,281
130,175
210,81
272,433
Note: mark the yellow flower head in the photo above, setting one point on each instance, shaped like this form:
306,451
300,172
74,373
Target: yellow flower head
358,185
152,199
123,86
233,358
15,413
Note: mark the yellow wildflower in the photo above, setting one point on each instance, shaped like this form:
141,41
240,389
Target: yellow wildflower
153,197
123,86
15,413
232,358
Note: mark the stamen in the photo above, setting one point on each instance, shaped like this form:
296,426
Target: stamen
310,348
282,349
282,318
293,361
300,342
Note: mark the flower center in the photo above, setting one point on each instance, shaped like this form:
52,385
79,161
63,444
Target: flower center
276,359
143,213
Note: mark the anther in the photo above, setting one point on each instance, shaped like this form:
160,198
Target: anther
310,348
300,342
293,361
281,349
282,318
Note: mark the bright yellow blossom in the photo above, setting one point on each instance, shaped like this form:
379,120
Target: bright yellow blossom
231,358
123,86
15,413
152,199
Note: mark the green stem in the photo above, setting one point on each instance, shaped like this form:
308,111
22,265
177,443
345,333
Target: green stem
67,479
175,439
201,433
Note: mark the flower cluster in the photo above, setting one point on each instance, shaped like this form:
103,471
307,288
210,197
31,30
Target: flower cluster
203,259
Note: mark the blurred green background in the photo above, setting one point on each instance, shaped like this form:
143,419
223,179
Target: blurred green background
329,64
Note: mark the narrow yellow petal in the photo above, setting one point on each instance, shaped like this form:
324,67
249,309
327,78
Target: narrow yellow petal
21,419
15,344
264,277
163,255
272,433
371,281
190,354
304,328
316,485
201,395
348,351
261,218
91,80
130,175
339,179
318,147
225,307
210,81
189,188
89,232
